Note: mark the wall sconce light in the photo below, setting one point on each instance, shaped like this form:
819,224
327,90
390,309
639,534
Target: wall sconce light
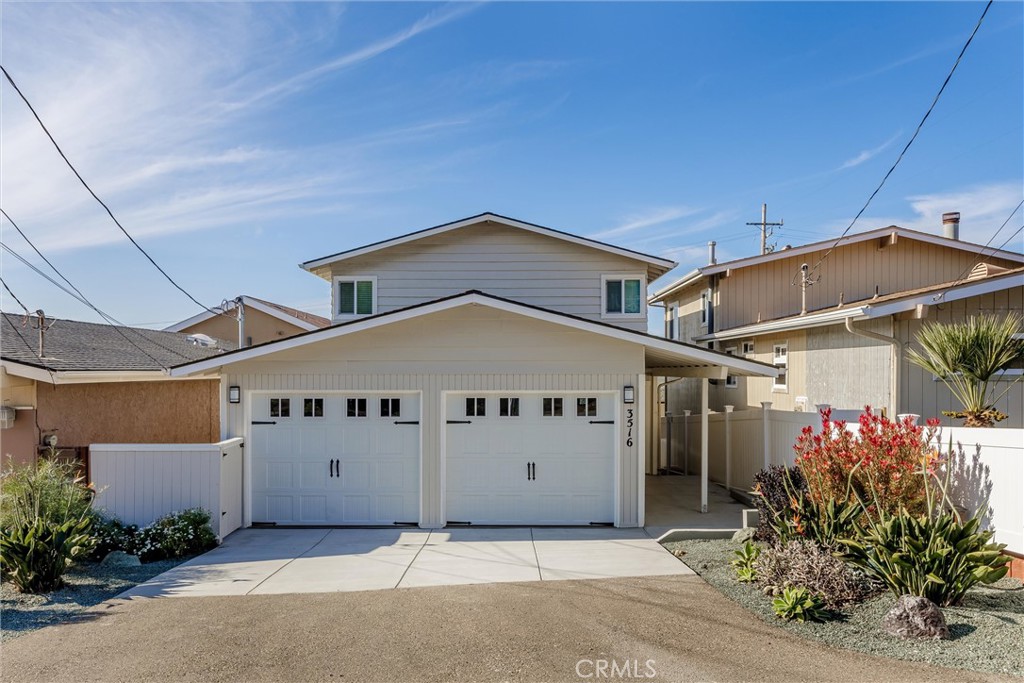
234,394
628,394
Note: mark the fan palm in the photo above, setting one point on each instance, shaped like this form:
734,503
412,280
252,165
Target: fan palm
967,356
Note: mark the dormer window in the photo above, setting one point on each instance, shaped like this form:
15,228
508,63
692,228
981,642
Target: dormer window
355,296
622,296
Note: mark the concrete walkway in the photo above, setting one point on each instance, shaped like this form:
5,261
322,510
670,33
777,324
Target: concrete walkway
268,561
673,502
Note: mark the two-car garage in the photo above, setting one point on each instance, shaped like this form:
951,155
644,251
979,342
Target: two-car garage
326,458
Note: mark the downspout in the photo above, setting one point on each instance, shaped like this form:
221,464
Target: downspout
896,358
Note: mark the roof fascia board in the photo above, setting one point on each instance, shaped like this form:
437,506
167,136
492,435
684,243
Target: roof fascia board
247,301
495,218
688,351
963,291
41,374
670,289
796,323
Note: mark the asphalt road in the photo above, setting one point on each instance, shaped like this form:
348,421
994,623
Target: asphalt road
676,628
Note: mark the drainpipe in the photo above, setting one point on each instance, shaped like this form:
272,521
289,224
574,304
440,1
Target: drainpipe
897,356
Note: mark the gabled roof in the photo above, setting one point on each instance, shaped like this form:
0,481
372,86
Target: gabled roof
877,307
892,232
666,355
657,266
292,316
75,346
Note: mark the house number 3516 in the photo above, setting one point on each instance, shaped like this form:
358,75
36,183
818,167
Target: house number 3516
629,427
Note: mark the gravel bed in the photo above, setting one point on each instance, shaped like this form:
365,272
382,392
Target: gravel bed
987,629
86,584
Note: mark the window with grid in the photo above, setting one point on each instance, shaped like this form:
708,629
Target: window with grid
476,407
780,358
312,407
552,407
586,407
508,407
391,407
280,407
355,407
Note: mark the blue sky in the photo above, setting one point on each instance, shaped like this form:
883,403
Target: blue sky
237,140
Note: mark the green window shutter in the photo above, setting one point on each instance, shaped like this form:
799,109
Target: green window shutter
613,296
346,298
364,297
632,296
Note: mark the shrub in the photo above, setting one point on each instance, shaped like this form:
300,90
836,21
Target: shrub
36,554
744,562
803,563
838,464
112,534
935,555
47,489
799,604
176,535
794,514
773,488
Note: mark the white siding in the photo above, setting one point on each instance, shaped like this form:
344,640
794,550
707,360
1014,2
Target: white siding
466,349
507,262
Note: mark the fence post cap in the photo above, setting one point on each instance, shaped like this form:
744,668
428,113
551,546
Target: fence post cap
728,409
766,405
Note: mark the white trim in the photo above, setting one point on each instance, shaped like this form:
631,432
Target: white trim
337,316
250,303
182,447
965,290
623,278
780,388
832,317
664,265
671,288
90,376
689,352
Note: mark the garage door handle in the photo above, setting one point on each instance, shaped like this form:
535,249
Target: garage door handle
460,422
264,422
331,467
602,422
407,422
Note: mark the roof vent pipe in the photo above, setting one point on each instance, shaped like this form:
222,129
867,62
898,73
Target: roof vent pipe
951,225
711,253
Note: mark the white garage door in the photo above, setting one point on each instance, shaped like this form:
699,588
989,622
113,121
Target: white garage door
335,459
528,458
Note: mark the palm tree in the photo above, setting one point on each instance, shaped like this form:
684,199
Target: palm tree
967,356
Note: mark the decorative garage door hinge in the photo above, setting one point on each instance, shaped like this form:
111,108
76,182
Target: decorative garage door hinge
407,422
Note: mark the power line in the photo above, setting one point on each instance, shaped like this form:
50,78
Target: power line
96,197
28,345
990,239
13,296
909,142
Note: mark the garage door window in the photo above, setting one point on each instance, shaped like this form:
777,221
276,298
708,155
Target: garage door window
552,407
508,407
476,407
313,407
280,407
586,407
356,407
391,407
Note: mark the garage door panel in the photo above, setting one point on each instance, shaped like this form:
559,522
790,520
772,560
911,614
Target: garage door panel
355,475
279,508
311,475
355,509
312,442
313,509
279,475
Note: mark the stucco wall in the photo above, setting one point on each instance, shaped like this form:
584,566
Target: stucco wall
131,412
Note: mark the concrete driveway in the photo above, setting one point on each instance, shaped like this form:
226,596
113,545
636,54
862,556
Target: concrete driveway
268,561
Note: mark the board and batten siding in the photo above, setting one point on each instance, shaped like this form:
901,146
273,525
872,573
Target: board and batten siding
765,291
470,348
511,263
923,394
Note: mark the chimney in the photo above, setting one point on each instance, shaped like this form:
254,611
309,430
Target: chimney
951,225
711,254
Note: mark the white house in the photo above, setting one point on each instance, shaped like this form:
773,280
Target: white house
485,371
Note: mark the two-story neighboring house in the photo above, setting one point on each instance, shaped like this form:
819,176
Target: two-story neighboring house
841,339
485,371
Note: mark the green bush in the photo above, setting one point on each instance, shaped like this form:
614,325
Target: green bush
744,562
176,535
112,534
799,604
48,489
36,554
804,563
788,512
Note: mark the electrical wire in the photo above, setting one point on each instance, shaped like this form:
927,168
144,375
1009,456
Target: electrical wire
13,296
982,256
96,197
909,142
85,300
28,344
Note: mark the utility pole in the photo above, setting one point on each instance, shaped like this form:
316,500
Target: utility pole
766,231
805,281
40,324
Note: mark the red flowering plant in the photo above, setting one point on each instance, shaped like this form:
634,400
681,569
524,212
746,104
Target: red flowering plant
885,457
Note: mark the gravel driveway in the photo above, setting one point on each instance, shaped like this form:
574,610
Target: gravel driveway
540,631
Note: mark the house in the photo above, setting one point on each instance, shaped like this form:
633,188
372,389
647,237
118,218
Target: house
841,339
246,320
83,383
484,371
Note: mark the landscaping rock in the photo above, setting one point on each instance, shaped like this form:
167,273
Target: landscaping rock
916,617
119,558
745,534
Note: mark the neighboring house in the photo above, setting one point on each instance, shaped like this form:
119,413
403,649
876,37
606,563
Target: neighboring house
485,371
844,345
246,320
99,384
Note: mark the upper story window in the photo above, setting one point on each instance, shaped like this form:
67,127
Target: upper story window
622,296
748,348
731,381
780,358
672,322
354,296
705,307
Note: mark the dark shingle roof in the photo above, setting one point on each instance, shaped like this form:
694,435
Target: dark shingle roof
82,346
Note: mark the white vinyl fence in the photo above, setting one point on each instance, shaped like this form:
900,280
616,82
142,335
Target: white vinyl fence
988,463
139,483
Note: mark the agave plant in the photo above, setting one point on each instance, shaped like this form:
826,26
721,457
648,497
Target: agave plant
967,356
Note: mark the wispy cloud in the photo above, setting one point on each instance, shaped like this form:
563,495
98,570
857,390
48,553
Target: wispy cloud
868,154
647,219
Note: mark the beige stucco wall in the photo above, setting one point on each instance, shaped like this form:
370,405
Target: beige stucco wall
258,325
131,412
